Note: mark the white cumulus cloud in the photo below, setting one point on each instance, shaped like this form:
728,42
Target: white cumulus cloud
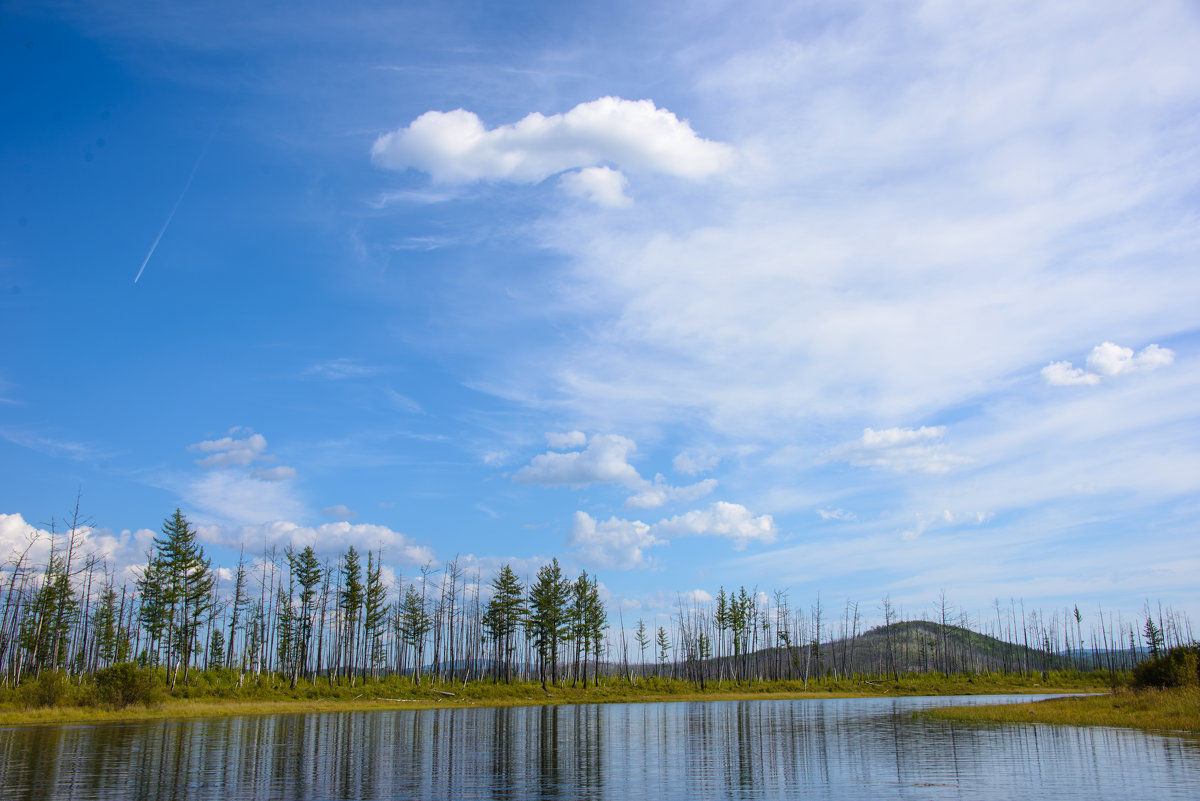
604,461
1109,359
456,147
119,552
1106,361
329,539
613,543
728,520
1062,374
620,544
601,185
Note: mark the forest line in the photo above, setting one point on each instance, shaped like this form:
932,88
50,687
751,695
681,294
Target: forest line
291,615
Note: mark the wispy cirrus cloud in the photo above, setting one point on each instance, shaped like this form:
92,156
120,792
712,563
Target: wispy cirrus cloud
50,445
902,450
339,510
340,369
229,450
694,462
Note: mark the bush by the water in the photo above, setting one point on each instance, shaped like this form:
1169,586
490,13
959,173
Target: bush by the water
125,684
49,688
1179,667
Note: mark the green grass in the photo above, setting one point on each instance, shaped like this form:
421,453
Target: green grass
218,693
1173,710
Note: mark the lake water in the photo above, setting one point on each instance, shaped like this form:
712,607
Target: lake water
812,749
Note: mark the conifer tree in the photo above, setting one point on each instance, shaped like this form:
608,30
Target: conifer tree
374,614
414,625
239,601
505,612
351,601
306,570
547,622
643,640
184,588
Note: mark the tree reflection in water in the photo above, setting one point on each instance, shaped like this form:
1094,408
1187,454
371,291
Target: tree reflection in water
831,749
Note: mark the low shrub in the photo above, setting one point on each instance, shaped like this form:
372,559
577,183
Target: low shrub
48,689
125,684
1179,667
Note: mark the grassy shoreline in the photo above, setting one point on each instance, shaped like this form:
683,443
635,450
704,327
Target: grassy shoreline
1170,711
210,697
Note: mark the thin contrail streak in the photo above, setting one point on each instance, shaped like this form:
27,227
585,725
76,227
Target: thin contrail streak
174,208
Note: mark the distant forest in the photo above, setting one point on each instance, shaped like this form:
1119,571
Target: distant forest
290,615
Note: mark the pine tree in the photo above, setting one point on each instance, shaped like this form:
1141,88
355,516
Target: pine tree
178,584
547,622
596,621
414,625
643,640
106,626
306,570
1153,635
374,614
664,647
239,601
578,628
505,613
216,650
350,602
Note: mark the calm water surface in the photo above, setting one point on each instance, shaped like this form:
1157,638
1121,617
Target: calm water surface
813,749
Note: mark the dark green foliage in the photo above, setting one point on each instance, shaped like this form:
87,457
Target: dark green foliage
105,627
50,688
350,601
48,621
216,650
176,589
1154,636
306,571
505,612
547,621
374,615
1179,667
664,646
125,684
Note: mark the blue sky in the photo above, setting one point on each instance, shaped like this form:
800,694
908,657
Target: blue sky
856,299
